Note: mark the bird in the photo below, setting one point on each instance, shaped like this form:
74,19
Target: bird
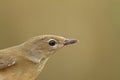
26,61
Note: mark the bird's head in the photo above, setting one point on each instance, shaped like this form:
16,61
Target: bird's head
47,44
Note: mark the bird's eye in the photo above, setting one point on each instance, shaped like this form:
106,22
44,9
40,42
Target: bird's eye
52,42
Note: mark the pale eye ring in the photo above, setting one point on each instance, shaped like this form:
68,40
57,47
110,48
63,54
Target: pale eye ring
52,42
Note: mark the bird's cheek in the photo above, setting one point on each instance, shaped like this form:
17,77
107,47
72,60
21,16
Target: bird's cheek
44,47
60,46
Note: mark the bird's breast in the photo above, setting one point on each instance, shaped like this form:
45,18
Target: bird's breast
23,70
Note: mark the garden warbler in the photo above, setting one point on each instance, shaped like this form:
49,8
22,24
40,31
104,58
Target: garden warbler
25,61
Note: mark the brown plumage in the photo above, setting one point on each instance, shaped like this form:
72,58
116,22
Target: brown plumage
25,61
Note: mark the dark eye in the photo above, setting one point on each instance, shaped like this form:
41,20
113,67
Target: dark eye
52,42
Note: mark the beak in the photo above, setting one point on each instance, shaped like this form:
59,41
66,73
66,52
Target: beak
70,41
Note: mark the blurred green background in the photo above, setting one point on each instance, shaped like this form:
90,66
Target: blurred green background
96,23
